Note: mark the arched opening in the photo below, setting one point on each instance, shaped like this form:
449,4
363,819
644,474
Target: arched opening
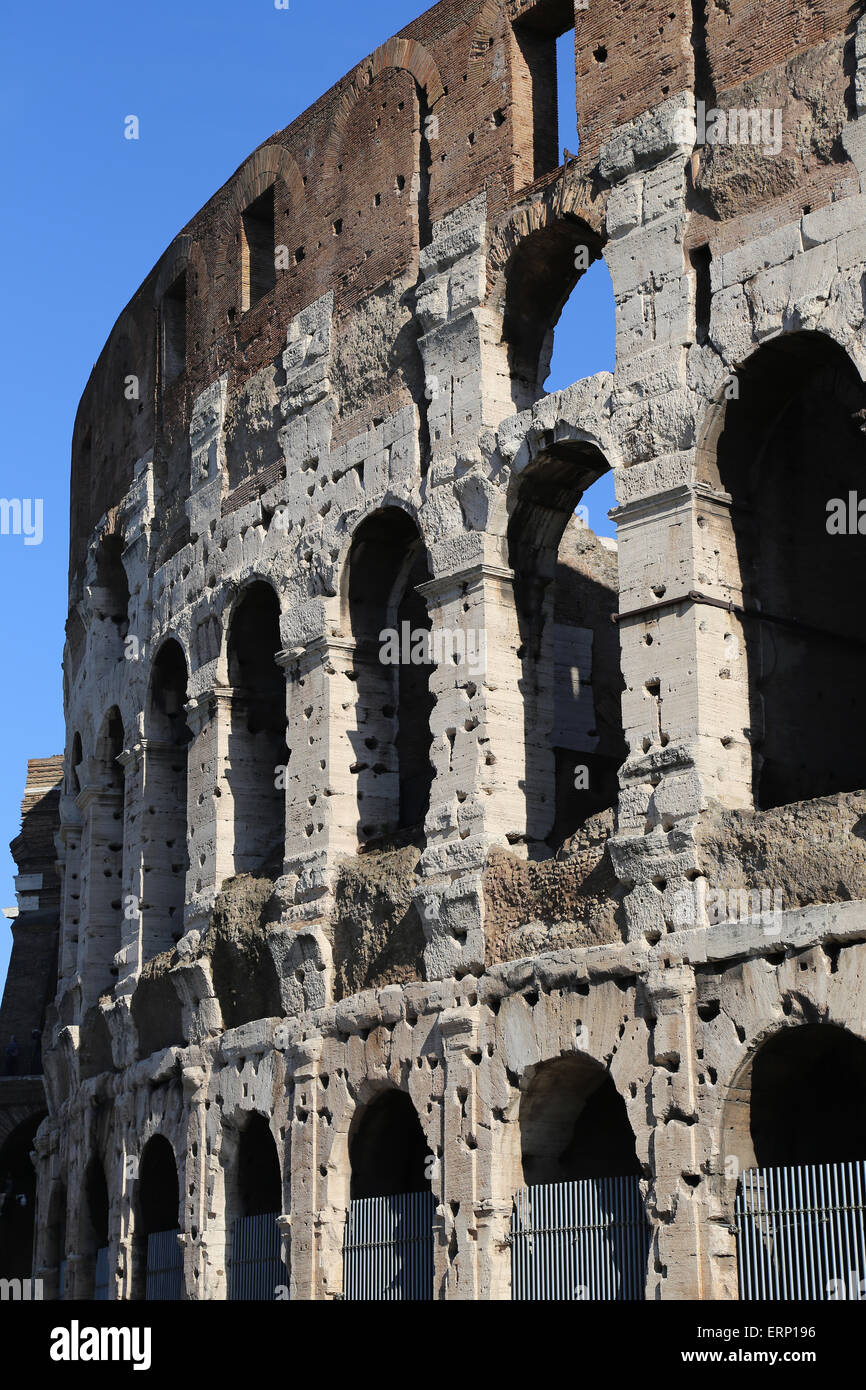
158,1254
257,739
566,589
390,627
578,1226
94,1234
388,1151
543,88
164,829
795,1132
109,595
259,1182
102,850
18,1201
256,1267
790,454
75,759
573,1124
388,1245
808,1097
540,278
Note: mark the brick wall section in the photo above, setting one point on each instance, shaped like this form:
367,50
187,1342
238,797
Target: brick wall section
33,964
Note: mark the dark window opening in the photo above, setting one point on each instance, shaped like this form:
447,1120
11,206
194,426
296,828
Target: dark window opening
259,1182
173,314
166,858
388,1152
258,265
701,259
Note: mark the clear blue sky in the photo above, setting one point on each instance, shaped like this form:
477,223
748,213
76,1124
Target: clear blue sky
88,213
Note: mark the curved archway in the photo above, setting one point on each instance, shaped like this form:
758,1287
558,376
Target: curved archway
164,823
578,1228
387,1148
256,1266
158,1259
93,1234
787,448
388,1247
257,737
390,628
565,589
573,1124
540,276
794,1147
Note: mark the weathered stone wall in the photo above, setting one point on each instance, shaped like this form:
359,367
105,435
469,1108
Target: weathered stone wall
371,439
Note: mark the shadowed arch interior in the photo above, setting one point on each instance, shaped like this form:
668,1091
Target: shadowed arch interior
158,1187
390,743
566,589
573,1124
257,740
808,1097
791,445
18,1200
388,1151
166,859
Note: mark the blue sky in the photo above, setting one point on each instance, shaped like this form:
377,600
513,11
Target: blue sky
87,215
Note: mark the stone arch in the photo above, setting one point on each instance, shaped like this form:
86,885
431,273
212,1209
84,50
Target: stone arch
573,1122
158,1201
802,662
565,593
17,1190
743,1144
535,260
388,749
387,1147
258,732
402,53
271,164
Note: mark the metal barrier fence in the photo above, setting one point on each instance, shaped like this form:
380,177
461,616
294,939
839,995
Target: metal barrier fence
388,1247
100,1281
587,1239
256,1267
801,1232
164,1267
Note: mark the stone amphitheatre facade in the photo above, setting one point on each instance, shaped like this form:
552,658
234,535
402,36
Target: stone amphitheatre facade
578,889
